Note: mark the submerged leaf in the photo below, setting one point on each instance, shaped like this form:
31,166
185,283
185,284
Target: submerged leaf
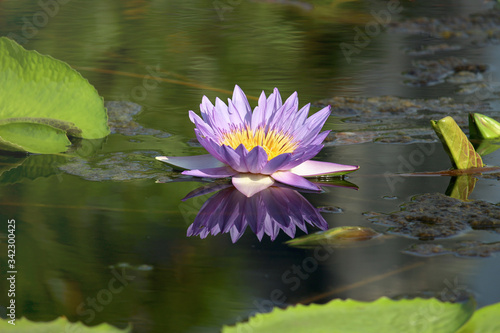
345,316
483,127
456,144
335,237
38,89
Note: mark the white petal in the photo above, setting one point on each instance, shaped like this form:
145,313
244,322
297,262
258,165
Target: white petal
318,168
191,162
249,184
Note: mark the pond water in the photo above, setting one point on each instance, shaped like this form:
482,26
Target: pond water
82,222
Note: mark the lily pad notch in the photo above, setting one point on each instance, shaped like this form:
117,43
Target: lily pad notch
44,102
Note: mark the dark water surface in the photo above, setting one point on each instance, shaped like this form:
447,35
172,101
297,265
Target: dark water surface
80,227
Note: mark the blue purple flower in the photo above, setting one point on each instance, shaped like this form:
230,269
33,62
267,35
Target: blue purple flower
274,143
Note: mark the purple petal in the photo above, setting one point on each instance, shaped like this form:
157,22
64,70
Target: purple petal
277,99
219,118
320,138
273,103
312,126
212,147
240,101
236,117
303,154
206,108
301,116
203,127
242,152
286,177
236,234
282,118
191,162
276,163
319,117
221,115
234,158
249,184
259,113
318,168
220,172
256,159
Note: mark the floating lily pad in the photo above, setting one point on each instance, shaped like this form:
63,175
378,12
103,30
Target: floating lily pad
389,119
431,72
481,27
484,320
34,138
59,325
43,100
121,120
345,316
457,145
431,216
460,249
117,167
431,49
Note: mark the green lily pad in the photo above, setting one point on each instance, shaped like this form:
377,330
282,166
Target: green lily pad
484,320
483,127
59,325
38,89
345,316
457,145
35,138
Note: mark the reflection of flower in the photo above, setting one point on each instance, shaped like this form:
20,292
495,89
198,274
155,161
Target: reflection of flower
275,142
266,212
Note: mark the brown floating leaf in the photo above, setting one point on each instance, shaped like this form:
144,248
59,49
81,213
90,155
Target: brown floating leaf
340,236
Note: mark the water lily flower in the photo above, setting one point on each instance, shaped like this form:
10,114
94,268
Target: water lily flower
274,143
267,212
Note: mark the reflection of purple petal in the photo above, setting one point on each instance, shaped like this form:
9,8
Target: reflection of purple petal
212,187
266,212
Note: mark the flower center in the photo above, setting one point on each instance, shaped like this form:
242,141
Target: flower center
274,143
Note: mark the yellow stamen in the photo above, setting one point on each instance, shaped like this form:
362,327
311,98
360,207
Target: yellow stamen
274,143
